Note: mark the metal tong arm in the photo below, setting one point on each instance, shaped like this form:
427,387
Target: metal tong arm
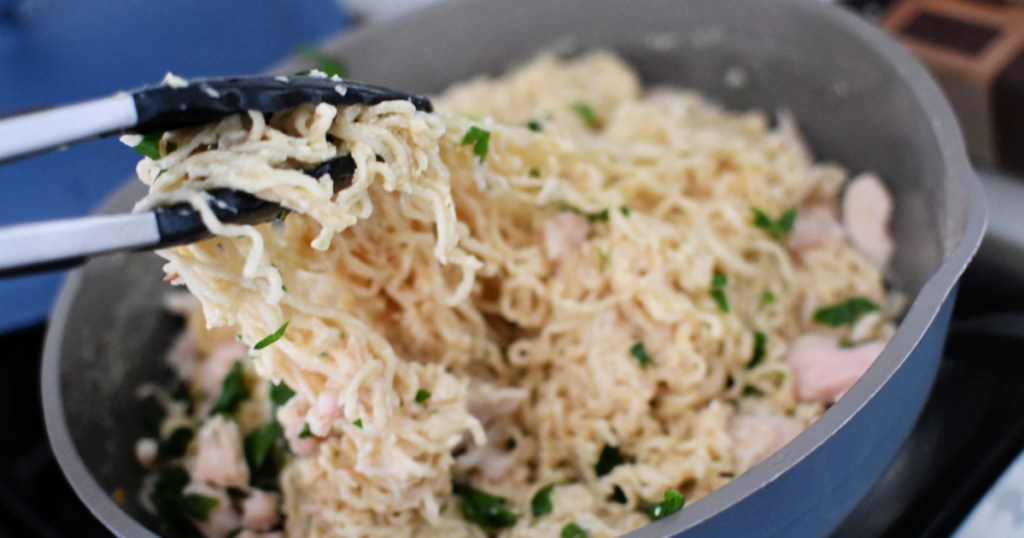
59,244
164,107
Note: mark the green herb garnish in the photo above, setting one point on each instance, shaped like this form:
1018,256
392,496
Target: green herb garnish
480,139
600,216
358,423
167,499
151,414
330,66
751,390
767,297
541,504
175,445
422,395
718,282
603,257
149,146
624,210
483,509
232,391
572,530
847,344
535,126
673,502
586,113
259,443
610,458
280,393
535,172
305,433
639,352
777,228
198,506
844,312
760,347
272,337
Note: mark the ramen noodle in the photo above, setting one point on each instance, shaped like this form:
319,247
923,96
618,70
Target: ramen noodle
561,303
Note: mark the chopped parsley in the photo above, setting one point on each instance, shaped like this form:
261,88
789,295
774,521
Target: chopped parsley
751,390
198,506
535,172
586,113
166,497
609,459
767,297
330,66
151,415
149,146
718,282
358,423
259,442
534,125
232,391
280,393
603,257
175,445
572,530
541,504
624,210
422,395
305,433
760,347
639,352
672,503
272,337
483,509
847,344
844,312
599,216
480,139
777,228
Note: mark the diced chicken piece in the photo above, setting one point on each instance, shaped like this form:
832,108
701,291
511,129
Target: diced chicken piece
145,451
183,356
211,371
867,209
328,408
219,457
222,518
564,233
755,437
487,402
824,370
815,225
259,510
292,418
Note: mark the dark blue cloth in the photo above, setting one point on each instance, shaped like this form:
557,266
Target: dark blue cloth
60,51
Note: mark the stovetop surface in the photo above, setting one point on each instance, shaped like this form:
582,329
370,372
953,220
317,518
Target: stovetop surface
971,429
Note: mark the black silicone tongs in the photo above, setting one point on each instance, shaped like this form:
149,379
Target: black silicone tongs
174,104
